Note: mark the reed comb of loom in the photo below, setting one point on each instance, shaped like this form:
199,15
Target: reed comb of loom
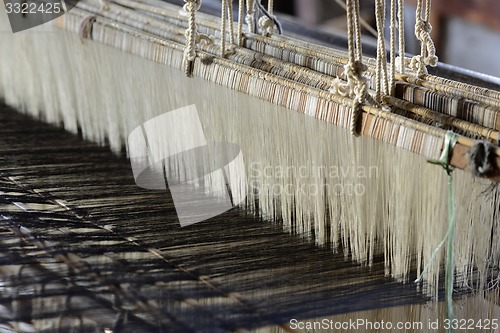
105,69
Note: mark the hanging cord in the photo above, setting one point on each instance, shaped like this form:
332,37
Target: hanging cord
231,21
392,65
356,86
241,11
190,6
250,17
223,28
192,36
268,22
451,139
226,15
423,33
401,28
381,84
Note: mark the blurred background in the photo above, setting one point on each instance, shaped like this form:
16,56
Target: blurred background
466,32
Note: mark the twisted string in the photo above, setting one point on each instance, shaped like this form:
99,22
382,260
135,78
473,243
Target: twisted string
392,65
190,6
268,23
381,84
223,28
401,28
250,17
231,21
356,86
423,33
241,10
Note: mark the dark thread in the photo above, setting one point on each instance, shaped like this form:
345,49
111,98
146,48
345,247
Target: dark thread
480,158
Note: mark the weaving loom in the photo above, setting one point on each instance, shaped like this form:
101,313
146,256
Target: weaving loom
86,249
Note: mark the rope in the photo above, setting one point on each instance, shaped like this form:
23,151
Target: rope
357,30
268,22
223,28
250,17
381,84
356,86
392,66
241,10
401,21
190,6
231,21
422,32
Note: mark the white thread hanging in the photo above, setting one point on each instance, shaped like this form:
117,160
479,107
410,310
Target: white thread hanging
423,33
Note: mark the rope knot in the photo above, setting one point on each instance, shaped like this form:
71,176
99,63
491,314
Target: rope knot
422,26
432,60
267,25
191,5
355,80
428,51
250,21
355,69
